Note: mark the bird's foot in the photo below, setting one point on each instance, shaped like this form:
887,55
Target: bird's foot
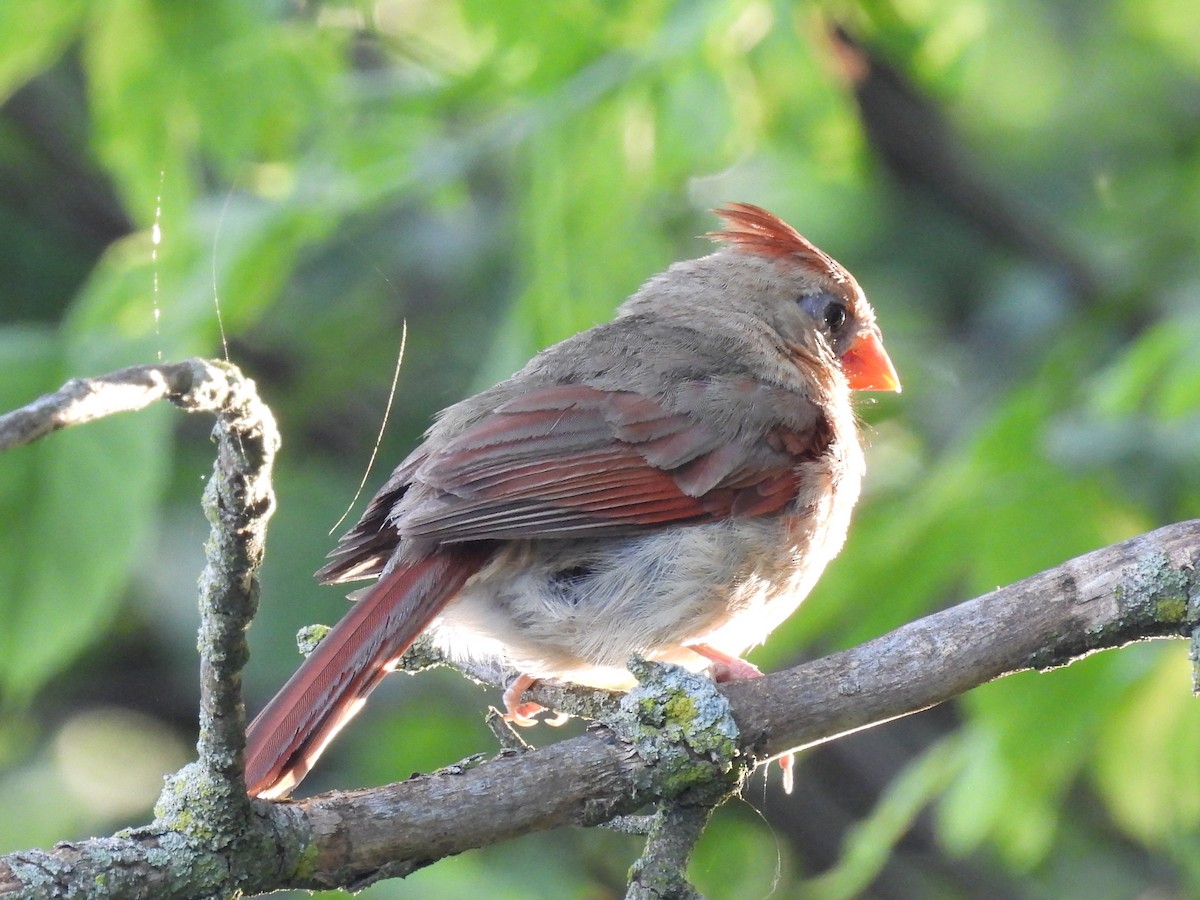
515,711
522,714
725,667
733,668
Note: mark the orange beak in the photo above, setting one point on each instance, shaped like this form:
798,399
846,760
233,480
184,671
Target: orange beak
867,365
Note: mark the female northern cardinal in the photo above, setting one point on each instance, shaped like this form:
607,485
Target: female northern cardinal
670,483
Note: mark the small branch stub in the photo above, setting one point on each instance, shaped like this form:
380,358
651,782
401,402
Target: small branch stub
682,726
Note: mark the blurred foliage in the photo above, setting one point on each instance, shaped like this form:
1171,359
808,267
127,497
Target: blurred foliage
1017,185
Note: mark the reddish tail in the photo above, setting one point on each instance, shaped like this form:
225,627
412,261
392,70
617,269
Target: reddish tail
286,738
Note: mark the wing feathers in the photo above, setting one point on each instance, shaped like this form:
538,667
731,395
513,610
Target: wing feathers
567,460
571,460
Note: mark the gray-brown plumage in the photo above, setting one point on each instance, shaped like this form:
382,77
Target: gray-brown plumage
669,483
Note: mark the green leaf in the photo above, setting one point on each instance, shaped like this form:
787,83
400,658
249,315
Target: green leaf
1145,755
86,497
30,359
869,843
1031,735
32,35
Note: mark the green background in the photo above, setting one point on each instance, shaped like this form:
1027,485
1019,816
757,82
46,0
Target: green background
1015,184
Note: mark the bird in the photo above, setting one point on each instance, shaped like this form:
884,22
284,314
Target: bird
670,483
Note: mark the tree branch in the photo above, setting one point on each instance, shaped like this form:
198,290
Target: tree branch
1140,589
205,825
83,400
209,840
1136,590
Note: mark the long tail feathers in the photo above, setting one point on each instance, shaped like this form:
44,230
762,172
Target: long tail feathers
330,687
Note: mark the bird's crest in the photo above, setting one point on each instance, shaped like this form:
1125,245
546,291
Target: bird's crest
751,229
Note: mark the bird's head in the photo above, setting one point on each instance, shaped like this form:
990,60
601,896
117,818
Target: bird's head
806,294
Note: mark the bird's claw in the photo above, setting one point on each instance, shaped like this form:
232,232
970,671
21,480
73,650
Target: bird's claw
516,712
787,766
522,714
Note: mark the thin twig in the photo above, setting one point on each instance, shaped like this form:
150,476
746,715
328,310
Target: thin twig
661,871
83,400
238,501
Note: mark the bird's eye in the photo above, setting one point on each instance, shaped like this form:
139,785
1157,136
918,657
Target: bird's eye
835,316
827,309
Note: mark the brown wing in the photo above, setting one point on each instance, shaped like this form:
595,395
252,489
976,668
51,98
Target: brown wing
363,551
572,460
